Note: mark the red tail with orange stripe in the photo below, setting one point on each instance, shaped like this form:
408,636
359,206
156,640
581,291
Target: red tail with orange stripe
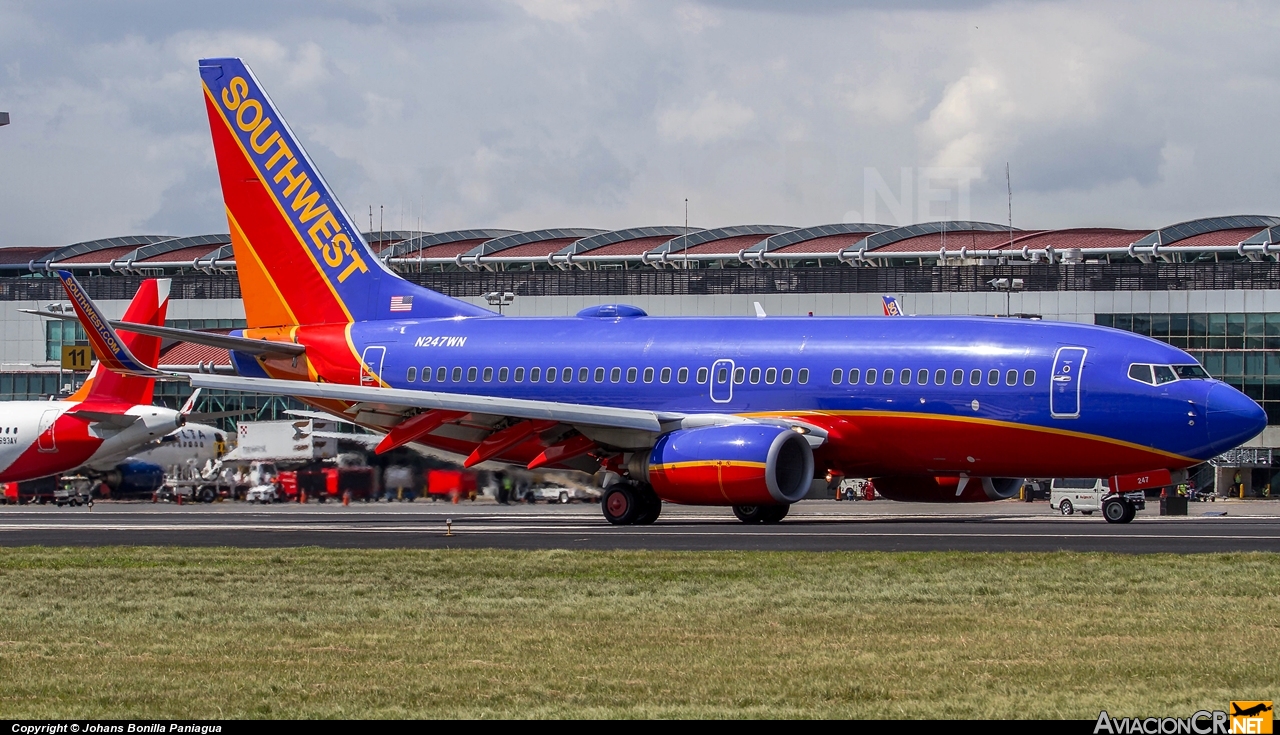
300,258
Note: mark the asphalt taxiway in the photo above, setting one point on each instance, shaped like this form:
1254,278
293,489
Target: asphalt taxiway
811,526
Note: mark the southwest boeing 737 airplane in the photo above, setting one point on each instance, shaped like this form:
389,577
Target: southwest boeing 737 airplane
742,412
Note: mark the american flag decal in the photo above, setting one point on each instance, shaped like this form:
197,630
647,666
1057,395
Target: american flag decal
402,303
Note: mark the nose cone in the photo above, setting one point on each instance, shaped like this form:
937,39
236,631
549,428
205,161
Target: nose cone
1233,418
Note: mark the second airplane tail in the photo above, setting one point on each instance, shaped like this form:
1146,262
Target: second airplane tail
128,357
299,256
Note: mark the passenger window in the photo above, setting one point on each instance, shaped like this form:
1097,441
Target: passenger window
837,376
1141,373
1029,377
583,374
682,376
786,376
551,375
471,374
975,377
631,374
939,377
488,375
904,376
802,377
771,376
566,375
871,376
1011,377
615,375
993,377
502,374
702,375
648,375
722,375
457,374
922,376
739,375
519,375
957,377
426,375
665,375
755,376
1165,374
854,375
535,375
599,375
886,377
412,375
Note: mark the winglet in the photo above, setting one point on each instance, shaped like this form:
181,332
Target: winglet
111,352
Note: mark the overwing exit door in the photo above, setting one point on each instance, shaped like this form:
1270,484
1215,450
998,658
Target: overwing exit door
722,381
1064,387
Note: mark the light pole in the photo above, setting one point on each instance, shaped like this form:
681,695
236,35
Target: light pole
500,299
1008,285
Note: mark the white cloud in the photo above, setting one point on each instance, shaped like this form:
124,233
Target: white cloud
607,114
713,119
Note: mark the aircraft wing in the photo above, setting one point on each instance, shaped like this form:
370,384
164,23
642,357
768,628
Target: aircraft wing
515,431
396,398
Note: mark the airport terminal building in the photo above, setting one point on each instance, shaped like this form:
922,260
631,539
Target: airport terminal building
1209,286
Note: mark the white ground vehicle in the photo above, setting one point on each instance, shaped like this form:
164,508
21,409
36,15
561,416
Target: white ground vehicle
261,494
1084,494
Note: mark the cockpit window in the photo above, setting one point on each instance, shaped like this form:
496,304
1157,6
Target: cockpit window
1141,373
1164,374
1189,372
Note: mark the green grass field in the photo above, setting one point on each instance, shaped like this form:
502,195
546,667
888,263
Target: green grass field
141,632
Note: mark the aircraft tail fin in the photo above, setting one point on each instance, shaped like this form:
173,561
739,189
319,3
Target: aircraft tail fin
299,256
129,361
891,306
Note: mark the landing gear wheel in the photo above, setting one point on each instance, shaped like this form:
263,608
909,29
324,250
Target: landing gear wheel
1117,511
1067,508
761,513
651,505
620,505
774,513
1130,511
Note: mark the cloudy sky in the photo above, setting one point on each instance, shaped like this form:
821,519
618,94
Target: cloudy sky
609,113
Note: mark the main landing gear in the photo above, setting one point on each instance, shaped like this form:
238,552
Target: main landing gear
761,513
630,504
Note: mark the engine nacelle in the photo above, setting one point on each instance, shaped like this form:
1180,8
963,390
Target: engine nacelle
134,478
947,488
735,464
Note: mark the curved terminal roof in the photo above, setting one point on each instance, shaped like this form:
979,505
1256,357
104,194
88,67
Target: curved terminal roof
544,242
175,250
443,244
380,240
607,242
1251,235
118,245
820,239
1084,238
1191,228
886,240
718,240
